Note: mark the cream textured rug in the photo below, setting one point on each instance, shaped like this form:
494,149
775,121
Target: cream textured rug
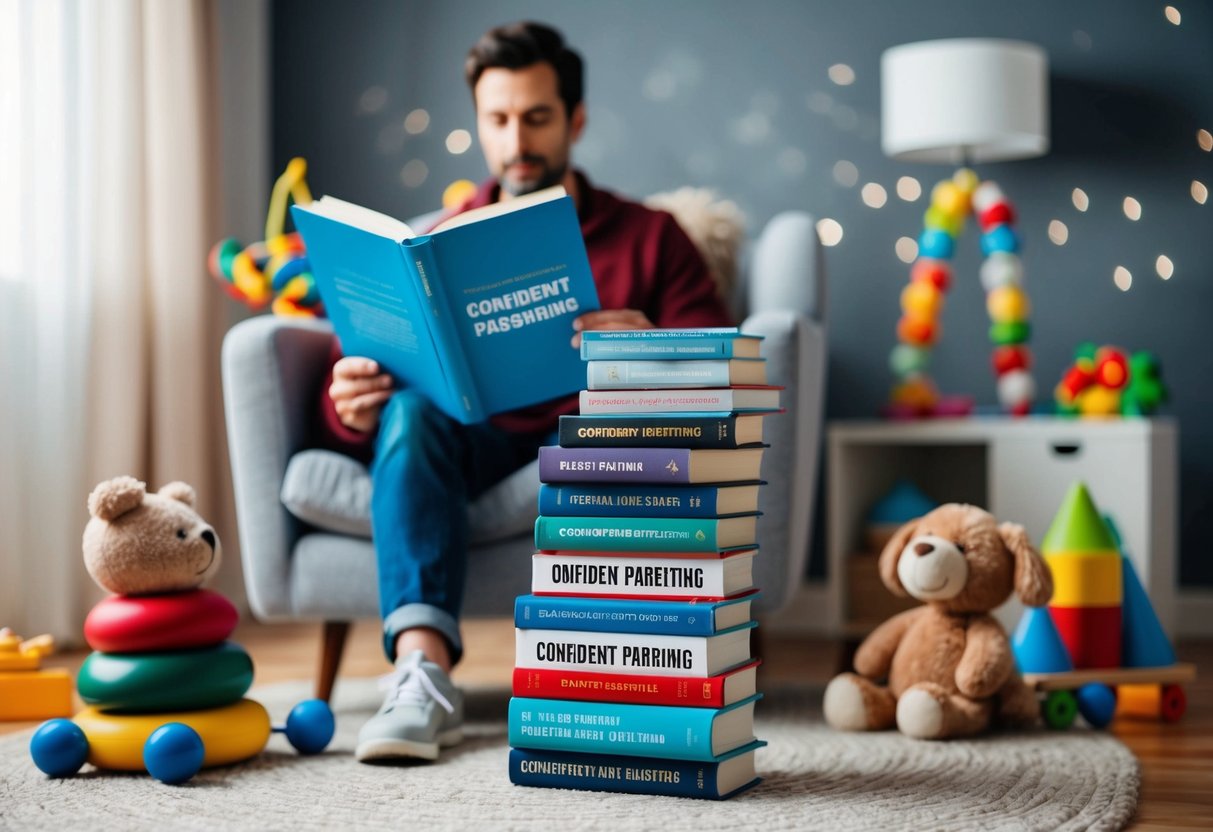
814,778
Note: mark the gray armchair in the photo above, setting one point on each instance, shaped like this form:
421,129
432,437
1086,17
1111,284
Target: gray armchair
314,561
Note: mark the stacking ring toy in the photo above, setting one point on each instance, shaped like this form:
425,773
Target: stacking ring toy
144,623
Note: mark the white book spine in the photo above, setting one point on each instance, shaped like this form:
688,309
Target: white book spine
660,577
629,653
605,375
655,401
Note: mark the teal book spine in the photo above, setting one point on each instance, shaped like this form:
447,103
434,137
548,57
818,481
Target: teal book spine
623,375
628,534
463,394
666,344
610,728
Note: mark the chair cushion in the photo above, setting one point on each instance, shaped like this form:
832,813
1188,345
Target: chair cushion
332,492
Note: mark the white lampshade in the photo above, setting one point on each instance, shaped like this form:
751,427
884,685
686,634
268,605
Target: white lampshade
964,100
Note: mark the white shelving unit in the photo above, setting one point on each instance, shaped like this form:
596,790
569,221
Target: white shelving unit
1019,470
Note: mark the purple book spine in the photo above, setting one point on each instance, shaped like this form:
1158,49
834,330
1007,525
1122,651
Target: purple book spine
664,465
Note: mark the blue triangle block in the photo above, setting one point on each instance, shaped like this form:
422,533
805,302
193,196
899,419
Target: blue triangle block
1144,642
1037,645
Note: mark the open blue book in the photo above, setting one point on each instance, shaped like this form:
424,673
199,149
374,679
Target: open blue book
477,314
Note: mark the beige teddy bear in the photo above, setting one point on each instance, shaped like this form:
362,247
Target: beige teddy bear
945,669
138,543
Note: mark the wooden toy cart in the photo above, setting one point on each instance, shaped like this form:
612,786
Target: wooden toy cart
1153,692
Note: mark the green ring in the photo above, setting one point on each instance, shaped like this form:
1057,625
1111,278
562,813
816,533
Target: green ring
179,680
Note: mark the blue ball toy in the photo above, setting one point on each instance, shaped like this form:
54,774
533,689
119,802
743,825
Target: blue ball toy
310,726
936,244
999,238
1097,704
59,747
173,753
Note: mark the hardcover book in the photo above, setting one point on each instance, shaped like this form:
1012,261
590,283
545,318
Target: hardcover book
605,574
687,430
632,653
729,399
639,688
462,313
645,534
658,375
717,779
674,466
669,344
628,615
557,500
631,730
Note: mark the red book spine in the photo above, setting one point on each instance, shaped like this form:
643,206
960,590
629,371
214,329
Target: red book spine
687,691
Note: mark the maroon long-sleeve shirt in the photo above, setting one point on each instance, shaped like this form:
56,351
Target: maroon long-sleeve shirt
640,259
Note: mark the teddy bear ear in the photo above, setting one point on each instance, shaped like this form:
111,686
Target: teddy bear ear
1033,578
113,498
179,491
891,552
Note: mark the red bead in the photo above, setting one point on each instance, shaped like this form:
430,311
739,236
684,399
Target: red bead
1012,357
917,331
1000,213
1076,380
1112,369
936,272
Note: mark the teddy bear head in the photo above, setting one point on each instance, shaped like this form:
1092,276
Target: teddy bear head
138,542
960,558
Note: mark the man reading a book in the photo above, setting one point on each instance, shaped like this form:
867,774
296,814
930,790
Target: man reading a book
426,467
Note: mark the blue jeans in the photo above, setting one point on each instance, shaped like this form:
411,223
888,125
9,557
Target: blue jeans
427,468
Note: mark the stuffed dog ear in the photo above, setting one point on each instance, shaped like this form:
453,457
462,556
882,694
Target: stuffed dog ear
1033,580
892,551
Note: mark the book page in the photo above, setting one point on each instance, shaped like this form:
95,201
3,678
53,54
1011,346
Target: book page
496,209
359,217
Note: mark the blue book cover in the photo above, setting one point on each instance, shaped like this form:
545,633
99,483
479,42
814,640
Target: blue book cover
628,615
562,500
631,730
720,778
463,313
670,344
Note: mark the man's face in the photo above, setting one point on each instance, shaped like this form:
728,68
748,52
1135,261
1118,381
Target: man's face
523,128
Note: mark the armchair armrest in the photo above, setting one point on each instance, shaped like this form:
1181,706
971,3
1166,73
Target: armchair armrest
272,368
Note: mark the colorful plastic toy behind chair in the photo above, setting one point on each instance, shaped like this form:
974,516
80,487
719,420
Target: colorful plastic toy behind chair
274,270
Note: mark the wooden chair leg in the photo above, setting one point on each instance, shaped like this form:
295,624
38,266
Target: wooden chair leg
335,633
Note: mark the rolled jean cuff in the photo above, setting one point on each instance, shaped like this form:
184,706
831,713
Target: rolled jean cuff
411,616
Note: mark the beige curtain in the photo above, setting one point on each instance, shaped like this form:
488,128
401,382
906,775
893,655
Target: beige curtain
140,147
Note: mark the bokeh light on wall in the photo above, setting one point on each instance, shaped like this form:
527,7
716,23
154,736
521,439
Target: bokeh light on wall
1172,14
1132,208
908,188
1199,192
907,249
841,74
372,100
458,141
845,173
1058,232
1164,267
829,231
1079,197
1204,139
416,122
792,161
1123,278
414,173
874,195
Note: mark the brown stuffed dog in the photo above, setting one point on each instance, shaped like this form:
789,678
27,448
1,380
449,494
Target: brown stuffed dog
948,665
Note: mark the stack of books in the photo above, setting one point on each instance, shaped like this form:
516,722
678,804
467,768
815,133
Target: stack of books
633,668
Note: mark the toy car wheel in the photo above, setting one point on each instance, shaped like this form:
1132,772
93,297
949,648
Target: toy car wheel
1173,703
173,753
310,726
1060,708
59,747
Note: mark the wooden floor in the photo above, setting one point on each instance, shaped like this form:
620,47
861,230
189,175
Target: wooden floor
1176,759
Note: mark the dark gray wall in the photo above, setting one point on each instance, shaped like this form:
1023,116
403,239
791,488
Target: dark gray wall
736,96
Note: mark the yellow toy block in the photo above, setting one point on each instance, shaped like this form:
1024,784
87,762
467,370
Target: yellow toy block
35,694
1086,579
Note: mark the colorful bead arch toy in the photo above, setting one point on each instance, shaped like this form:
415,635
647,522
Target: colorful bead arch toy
274,270
922,300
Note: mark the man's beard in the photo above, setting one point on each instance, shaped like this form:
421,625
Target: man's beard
548,176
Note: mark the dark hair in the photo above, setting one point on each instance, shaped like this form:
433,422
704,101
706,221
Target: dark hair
519,45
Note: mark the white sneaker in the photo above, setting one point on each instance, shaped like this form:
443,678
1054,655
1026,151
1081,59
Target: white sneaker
422,712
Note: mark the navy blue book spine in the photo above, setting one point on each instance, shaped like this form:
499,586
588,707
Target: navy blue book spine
610,773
